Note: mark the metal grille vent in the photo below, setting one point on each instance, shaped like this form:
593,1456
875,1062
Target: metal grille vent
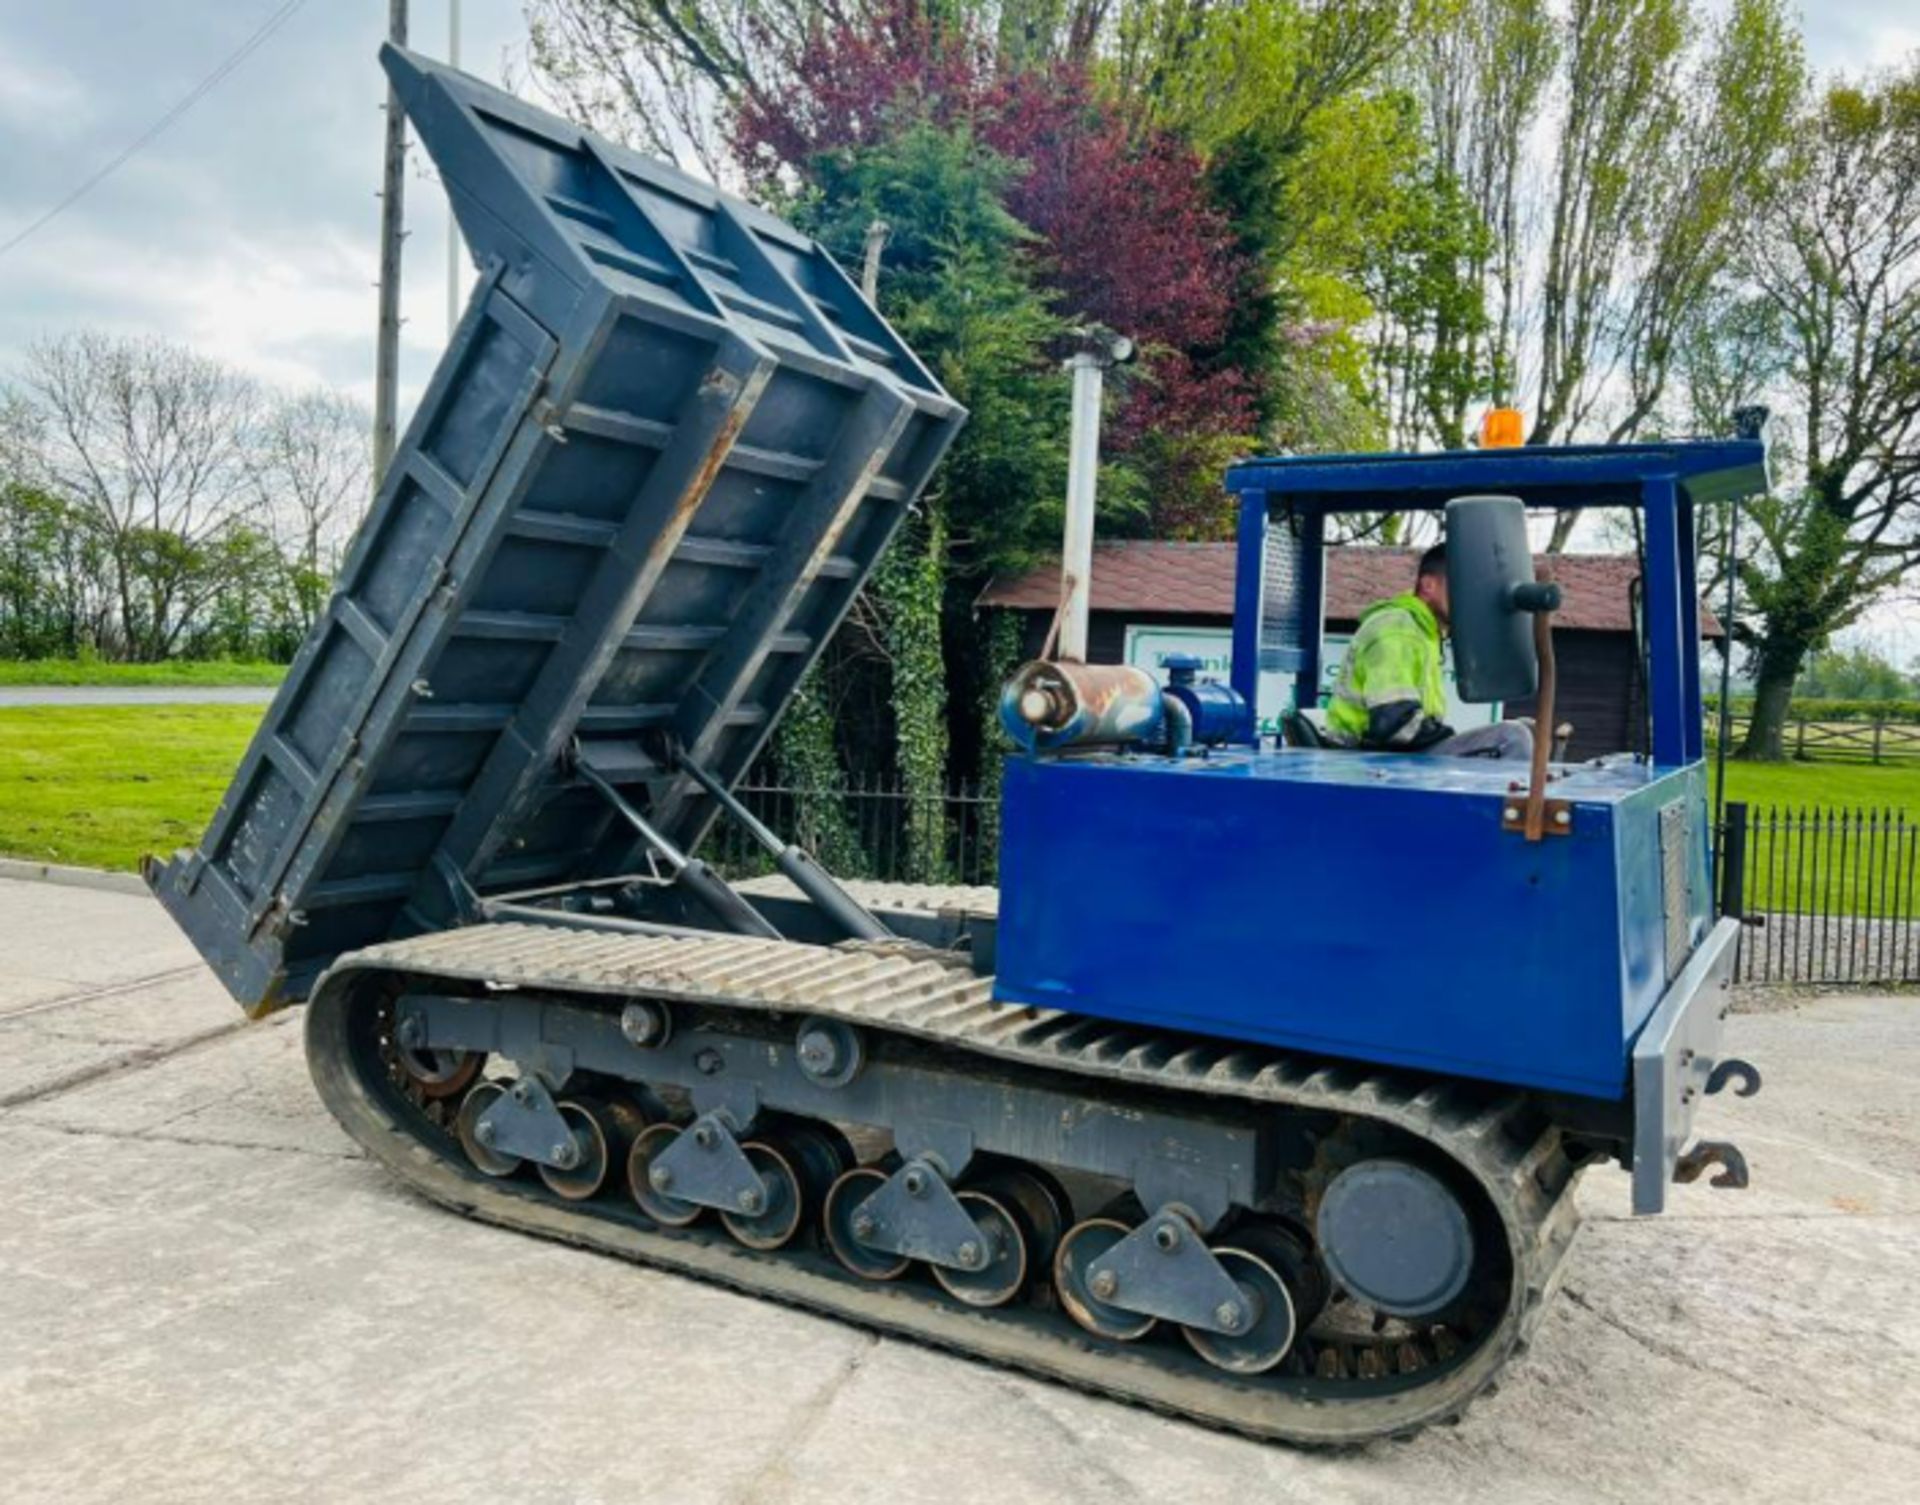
1280,600
1676,884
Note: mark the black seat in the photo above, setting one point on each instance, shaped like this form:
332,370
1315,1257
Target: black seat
1299,731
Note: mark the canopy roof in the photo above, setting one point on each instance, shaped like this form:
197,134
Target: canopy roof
1559,476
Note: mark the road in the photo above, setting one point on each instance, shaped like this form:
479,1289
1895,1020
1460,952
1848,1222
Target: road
207,1294
19,695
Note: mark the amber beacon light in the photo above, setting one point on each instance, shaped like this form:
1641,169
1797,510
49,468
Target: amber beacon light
1501,428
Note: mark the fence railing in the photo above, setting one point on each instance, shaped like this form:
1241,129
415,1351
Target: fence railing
1829,893
871,828
1836,741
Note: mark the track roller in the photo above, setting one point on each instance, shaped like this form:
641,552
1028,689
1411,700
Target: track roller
1262,1336
1084,1244
842,1224
439,1073
780,1204
597,1144
654,1199
1002,1274
467,1129
797,1163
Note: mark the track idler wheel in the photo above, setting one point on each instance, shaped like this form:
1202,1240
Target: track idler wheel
1083,1245
842,1223
654,1196
1396,1237
434,1074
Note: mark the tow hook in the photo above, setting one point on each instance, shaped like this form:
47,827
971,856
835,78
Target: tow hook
1741,1075
1707,1154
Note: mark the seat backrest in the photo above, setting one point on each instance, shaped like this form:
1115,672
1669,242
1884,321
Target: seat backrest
1299,731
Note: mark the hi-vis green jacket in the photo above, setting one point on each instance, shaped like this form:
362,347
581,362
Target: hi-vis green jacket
1390,693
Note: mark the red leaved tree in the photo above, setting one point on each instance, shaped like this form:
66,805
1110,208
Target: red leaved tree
1125,235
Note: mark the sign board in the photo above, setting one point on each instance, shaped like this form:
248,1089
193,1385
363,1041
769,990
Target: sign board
1150,647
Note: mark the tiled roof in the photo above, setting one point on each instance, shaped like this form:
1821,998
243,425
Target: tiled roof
1138,576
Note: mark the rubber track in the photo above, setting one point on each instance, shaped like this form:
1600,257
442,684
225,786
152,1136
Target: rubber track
898,987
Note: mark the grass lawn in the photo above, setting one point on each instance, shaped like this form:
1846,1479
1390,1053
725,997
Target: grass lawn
71,671
1830,838
1887,786
98,786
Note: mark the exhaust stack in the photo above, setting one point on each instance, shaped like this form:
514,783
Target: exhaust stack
1095,350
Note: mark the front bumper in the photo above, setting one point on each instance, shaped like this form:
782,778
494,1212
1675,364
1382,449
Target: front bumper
1674,1062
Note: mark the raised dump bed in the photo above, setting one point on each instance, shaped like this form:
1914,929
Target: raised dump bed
666,445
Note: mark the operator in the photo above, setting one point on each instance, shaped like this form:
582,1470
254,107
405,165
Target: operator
1391,697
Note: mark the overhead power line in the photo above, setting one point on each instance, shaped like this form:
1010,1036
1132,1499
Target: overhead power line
193,96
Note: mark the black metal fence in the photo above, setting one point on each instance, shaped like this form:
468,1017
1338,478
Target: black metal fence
871,828
1828,893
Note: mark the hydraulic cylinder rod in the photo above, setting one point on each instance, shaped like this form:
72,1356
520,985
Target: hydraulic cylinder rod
690,873
796,863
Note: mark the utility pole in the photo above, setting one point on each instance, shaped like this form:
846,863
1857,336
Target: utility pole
453,225
386,365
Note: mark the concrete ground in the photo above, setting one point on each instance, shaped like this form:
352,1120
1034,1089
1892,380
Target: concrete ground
206,1294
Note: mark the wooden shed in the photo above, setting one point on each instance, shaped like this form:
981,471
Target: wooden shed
1151,596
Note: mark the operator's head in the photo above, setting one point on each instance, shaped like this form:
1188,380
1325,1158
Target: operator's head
1431,583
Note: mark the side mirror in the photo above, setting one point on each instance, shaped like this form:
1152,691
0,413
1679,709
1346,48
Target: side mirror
1491,598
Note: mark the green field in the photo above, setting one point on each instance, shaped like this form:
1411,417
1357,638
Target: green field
80,671
1888,786
98,786
1826,838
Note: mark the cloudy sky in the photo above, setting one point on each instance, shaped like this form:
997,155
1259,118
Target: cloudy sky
248,229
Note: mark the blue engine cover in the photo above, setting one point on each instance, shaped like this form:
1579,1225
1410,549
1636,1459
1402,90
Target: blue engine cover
1351,904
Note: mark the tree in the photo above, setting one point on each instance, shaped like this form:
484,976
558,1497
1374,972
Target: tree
1836,254
1730,353
1425,274
1858,673
311,468
1168,282
51,603
1664,148
957,285
1483,71
154,502
1272,94
1079,165
148,443
662,73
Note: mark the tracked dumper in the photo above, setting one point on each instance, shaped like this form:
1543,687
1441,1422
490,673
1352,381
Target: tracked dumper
1256,1095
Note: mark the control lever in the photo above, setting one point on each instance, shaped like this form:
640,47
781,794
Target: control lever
1542,598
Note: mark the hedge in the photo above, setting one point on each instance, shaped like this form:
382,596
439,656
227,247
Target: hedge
1892,712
